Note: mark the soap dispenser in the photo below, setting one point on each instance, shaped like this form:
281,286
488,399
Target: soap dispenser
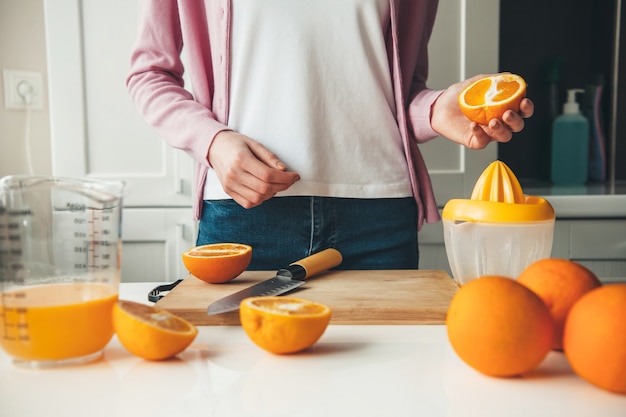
570,144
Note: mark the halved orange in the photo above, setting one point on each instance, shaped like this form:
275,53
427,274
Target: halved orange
283,324
150,332
218,262
488,98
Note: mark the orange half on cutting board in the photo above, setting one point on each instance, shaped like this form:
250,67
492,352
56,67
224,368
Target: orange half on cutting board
218,262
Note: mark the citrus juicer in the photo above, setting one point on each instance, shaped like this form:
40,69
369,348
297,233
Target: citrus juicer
499,230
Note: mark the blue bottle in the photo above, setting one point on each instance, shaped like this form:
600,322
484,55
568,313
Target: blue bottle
570,144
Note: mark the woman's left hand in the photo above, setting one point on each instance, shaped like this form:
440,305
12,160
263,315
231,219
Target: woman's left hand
448,120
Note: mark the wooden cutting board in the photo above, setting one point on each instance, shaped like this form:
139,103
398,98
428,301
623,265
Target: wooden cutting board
355,297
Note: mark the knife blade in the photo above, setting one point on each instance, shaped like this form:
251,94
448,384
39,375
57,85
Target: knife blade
286,279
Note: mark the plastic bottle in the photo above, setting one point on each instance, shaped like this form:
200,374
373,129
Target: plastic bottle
597,146
553,88
570,144
553,97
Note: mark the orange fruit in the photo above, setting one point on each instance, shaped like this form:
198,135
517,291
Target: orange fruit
150,332
488,98
499,327
217,262
559,283
594,340
283,324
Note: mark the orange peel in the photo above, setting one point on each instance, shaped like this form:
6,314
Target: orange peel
218,262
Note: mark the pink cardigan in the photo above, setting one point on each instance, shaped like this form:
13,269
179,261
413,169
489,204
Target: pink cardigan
190,122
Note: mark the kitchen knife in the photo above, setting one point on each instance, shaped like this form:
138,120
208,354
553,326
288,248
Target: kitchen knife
286,279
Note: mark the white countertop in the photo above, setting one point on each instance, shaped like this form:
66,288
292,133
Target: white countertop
587,201
588,206
352,371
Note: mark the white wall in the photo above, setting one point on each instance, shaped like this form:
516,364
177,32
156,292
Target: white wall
23,47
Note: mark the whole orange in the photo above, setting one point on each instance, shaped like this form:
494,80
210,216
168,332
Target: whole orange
499,327
489,97
283,324
559,283
594,339
217,262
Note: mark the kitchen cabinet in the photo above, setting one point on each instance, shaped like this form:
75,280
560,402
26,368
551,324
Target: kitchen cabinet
96,132
598,244
464,43
153,241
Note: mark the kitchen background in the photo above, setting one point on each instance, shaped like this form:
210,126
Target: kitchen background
87,126
567,44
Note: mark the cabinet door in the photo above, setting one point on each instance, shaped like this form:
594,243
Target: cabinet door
598,244
96,132
153,241
464,43
95,129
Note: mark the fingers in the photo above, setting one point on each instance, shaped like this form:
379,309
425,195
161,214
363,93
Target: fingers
478,139
253,182
264,155
249,191
512,122
248,172
526,108
481,136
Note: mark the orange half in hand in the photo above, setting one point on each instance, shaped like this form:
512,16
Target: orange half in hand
150,332
488,98
218,262
283,324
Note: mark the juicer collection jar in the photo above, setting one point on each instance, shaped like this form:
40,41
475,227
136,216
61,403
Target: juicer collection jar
499,230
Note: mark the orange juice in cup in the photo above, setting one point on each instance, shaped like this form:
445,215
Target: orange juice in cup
56,322
60,251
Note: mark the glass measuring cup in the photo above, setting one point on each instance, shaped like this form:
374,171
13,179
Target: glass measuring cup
60,253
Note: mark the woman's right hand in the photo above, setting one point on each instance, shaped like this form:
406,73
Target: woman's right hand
248,171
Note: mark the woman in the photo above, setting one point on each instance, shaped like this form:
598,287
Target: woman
304,121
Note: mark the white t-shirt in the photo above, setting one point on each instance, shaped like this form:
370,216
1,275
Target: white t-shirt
310,80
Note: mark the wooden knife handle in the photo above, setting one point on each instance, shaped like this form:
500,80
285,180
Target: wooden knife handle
320,261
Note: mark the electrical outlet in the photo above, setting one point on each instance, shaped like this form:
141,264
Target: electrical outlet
23,89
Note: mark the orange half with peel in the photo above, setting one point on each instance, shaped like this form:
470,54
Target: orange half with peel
283,325
490,97
150,332
217,262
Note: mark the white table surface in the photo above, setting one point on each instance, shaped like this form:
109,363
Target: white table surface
359,371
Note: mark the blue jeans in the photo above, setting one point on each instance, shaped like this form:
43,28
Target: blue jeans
369,233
